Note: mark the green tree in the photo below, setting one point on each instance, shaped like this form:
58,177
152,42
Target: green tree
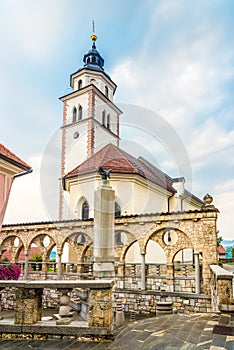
219,239
232,252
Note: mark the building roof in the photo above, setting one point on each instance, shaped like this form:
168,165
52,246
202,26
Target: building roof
112,157
9,156
221,250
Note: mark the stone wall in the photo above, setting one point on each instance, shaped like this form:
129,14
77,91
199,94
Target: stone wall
179,284
146,302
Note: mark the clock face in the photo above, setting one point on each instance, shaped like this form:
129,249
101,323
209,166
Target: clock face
76,135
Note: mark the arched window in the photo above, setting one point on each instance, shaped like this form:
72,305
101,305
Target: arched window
108,121
88,60
106,91
80,113
104,117
85,211
79,84
117,210
93,59
74,115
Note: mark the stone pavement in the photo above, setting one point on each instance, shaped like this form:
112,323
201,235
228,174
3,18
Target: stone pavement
185,332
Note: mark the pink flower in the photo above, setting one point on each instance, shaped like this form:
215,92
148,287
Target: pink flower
10,272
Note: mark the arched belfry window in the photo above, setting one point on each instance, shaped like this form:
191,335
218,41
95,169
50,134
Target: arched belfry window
80,113
74,115
85,211
79,84
106,91
108,121
117,210
104,117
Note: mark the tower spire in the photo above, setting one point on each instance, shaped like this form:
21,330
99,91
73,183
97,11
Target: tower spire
93,36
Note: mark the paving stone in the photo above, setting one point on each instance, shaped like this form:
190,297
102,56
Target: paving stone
230,345
180,332
219,340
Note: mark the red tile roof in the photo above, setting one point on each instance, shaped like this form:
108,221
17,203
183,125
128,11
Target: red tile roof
112,157
221,250
6,153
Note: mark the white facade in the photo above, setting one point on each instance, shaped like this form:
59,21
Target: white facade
134,195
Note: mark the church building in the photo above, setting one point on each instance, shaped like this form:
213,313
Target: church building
91,138
165,238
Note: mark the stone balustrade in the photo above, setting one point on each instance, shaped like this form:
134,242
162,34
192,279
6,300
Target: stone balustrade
177,277
221,288
28,309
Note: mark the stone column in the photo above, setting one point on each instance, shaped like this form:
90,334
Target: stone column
104,198
26,265
59,256
170,277
143,280
197,273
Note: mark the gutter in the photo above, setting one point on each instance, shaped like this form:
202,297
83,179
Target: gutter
29,171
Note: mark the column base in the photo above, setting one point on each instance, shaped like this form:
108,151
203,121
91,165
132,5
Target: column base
103,269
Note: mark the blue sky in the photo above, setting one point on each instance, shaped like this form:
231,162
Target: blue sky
174,57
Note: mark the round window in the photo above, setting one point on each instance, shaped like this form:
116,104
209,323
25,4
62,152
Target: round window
16,242
170,237
46,241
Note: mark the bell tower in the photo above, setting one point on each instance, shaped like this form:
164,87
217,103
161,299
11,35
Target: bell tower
90,117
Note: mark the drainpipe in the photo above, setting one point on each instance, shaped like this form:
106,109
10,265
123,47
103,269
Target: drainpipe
168,202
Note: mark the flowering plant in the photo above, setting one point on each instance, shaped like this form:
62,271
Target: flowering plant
10,272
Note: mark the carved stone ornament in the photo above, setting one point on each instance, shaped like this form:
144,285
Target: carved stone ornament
207,199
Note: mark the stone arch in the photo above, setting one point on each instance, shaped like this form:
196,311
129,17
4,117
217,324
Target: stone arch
77,247
155,253
185,258
157,235
87,252
131,246
38,238
7,245
121,250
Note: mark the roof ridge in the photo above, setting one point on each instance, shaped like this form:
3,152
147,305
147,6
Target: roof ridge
148,164
5,152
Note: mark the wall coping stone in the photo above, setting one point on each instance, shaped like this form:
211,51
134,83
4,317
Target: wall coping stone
60,284
163,294
221,273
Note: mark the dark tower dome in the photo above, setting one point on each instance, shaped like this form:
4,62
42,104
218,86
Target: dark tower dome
93,60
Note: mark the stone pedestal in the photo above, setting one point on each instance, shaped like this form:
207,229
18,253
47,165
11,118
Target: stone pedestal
100,308
119,314
28,308
104,199
64,316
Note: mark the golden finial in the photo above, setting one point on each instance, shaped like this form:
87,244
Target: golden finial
93,36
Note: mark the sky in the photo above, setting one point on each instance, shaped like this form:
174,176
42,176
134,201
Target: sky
172,57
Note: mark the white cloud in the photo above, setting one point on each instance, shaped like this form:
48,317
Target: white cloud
209,139
34,27
224,202
227,186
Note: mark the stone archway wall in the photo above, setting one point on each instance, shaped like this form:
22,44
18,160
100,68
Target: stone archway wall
196,230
